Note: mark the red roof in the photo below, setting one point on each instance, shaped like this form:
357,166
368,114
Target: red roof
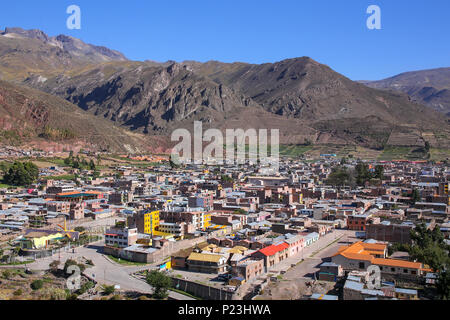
271,250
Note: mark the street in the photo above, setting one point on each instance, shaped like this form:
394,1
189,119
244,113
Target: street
104,270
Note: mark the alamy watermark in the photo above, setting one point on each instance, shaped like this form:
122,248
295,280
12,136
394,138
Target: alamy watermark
238,147
74,281
74,20
374,20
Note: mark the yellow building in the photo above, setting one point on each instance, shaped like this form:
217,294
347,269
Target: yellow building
151,221
207,220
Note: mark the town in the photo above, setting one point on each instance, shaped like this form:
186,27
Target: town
146,228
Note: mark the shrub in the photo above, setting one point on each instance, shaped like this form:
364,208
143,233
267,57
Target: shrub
6,274
18,292
108,289
37,284
86,287
54,265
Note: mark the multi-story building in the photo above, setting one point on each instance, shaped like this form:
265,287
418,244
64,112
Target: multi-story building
385,231
248,269
58,206
199,219
121,237
146,221
357,222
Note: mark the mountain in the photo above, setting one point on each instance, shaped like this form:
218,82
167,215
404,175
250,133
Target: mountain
306,100
31,117
429,87
27,52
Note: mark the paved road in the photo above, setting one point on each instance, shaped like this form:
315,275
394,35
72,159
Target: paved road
106,271
314,258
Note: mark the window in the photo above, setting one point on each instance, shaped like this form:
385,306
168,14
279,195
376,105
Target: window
405,270
362,265
393,269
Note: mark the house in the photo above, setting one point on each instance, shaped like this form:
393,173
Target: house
311,238
361,255
248,268
273,254
206,263
296,244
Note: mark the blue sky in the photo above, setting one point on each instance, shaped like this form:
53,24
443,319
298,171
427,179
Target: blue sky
415,34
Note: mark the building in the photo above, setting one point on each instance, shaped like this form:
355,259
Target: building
273,254
177,229
207,263
357,222
76,196
146,221
387,232
296,245
121,237
248,269
330,272
361,255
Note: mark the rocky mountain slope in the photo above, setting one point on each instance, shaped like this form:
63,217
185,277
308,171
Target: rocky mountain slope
27,52
28,116
429,87
306,100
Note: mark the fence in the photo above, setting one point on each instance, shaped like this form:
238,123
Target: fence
202,291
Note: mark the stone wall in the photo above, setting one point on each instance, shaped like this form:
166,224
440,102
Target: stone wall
202,291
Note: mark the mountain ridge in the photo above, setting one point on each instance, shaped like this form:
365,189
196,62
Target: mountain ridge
308,101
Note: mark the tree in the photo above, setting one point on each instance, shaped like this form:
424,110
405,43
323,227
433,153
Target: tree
21,174
415,197
37,285
429,248
362,174
443,285
92,165
160,283
340,176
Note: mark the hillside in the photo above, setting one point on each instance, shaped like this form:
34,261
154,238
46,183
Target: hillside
429,87
27,52
306,100
31,117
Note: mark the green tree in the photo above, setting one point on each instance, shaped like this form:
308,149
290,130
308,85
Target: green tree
443,285
362,173
429,247
340,176
21,174
415,197
160,283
